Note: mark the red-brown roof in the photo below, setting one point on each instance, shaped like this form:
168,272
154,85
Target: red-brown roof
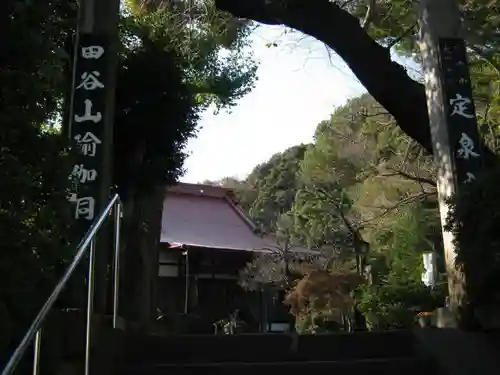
207,216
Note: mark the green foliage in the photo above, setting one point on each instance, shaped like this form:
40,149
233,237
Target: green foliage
276,184
472,219
156,98
402,239
33,51
394,23
167,75
34,217
476,238
185,74
359,179
316,215
393,301
394,305
35,221
217,66
173,66
385,172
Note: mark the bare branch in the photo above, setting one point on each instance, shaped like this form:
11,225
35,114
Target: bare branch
368,115
406,156
345,3
410,177
411,199
473,40
346,221
402,36
370,13
487,59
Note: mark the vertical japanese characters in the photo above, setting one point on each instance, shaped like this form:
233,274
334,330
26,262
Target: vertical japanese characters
86,127
463,132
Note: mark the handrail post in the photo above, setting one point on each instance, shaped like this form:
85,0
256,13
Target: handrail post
36,354
116,281
35,330
90,306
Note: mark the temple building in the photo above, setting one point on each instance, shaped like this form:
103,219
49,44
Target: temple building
206,239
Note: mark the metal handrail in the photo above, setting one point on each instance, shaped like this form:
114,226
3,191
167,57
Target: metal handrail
88,241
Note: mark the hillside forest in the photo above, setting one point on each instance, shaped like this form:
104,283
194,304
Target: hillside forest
363,194
364,191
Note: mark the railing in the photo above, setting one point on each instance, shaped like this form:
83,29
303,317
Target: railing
87,243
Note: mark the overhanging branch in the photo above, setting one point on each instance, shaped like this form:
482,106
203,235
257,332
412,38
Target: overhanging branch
383,78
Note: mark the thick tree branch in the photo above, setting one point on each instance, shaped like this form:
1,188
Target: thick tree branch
384,79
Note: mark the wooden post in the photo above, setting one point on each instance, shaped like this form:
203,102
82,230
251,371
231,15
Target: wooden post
90,123
456,143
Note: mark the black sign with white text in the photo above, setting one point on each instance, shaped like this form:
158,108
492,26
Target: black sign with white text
464,136
86,124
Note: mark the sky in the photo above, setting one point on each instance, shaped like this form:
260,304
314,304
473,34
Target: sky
299,84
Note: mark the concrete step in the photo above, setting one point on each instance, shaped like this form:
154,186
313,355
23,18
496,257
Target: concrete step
406,366
261,348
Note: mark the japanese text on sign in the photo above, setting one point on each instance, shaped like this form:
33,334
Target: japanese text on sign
459,106
87,143
86,125
463,133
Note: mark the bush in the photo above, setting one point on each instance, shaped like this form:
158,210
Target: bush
393,305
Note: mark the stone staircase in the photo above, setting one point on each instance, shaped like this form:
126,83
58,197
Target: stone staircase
388,353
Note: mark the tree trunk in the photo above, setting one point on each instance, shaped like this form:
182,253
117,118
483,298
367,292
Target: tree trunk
142,235
384,79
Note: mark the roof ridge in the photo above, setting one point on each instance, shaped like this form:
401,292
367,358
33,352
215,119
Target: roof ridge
243,215
179,183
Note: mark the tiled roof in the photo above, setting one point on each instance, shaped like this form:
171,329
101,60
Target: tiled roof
207,216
